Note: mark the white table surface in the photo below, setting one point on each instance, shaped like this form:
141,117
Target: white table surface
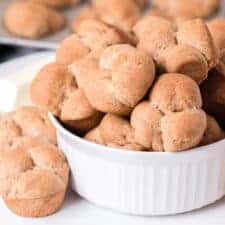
76,211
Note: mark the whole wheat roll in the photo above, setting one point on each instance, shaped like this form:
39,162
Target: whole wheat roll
33,178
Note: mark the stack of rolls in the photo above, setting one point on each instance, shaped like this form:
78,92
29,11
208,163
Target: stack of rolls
141,95
135,83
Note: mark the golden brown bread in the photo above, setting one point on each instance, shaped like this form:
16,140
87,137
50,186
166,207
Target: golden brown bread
50,86
83,125
55,89
8,131
122,14
98,34
97,86
58,4
94,136
196,34
92,34
163,14
32,20
188,9
158,13
172,120
141,3
217,29
175,93
87,12
25,142
145,121
172,132
185,60
71,49
114,131
26,121
33,178
189,50
118,80
183,130
155,35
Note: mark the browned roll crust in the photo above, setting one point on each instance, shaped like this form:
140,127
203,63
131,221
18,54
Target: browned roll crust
145,121
189,50
71,49
172,132
31,20
196,34
49,87
114,131
85,13
158,13
185,59
58,4
123,14
90,13
188,9
217,29
172,120
155,34
35,207
118,80
92,34
33,178
55,89
26,121
183,130
98,34
141,3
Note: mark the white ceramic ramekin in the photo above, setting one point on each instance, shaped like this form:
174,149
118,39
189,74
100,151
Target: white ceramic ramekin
144,183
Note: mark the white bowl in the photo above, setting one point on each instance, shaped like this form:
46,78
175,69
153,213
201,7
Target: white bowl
144,183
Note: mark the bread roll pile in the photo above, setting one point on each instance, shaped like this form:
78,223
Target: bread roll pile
142,83
92,35
56,4
139,87
35,19
39,18
186,9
